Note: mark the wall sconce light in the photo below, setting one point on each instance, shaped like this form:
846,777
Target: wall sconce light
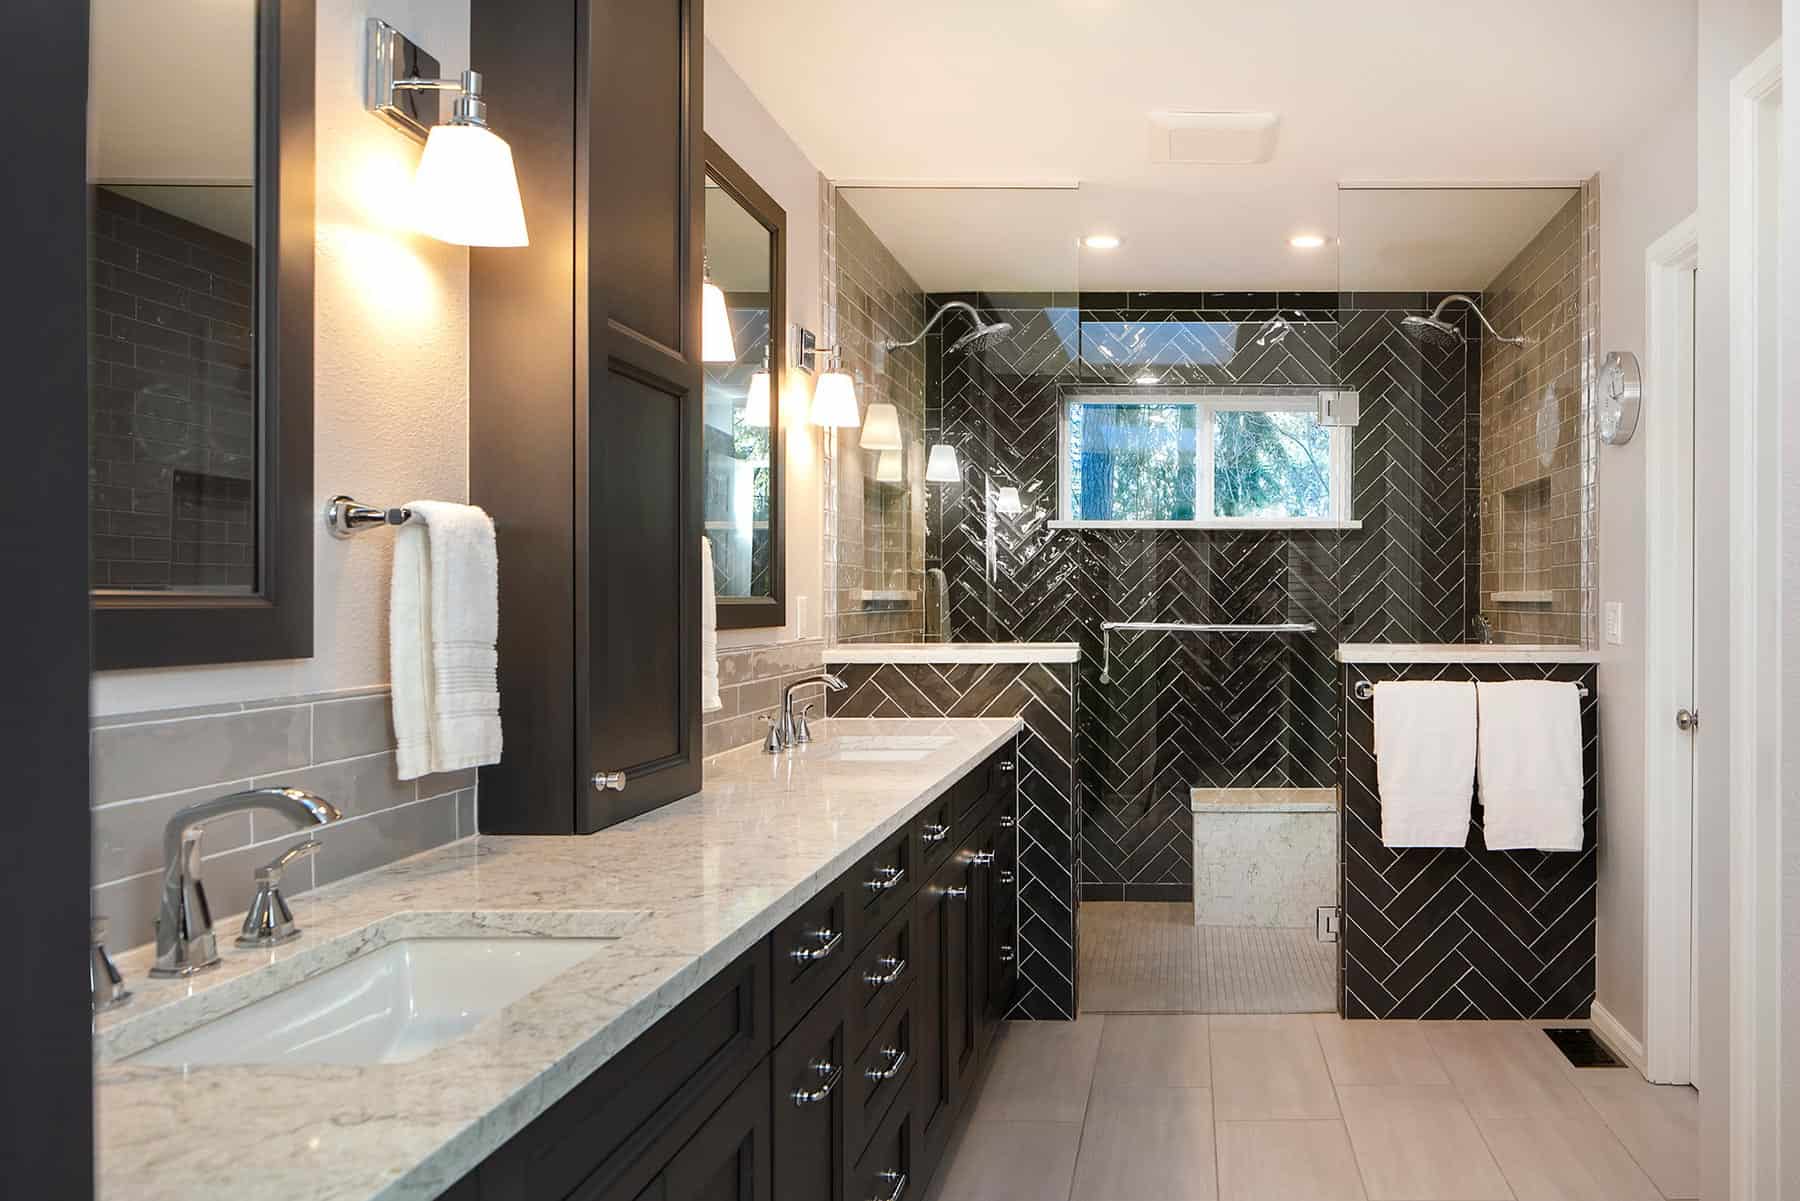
834,395
881,428
466,190
716,342
941,467
1006,500
889,468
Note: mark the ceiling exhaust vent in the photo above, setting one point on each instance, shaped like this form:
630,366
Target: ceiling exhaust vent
1235,139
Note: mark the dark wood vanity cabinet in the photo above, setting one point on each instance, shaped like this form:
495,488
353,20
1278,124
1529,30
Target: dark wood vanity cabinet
830,1062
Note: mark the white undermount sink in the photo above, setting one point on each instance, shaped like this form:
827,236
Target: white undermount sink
389,1005
887,748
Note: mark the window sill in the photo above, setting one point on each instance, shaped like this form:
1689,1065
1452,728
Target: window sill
1226,523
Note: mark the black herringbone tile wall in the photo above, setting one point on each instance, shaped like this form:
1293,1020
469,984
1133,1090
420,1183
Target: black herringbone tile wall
1184,710
1049,819
1468,933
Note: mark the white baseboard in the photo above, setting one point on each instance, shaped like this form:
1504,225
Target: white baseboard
1614,1035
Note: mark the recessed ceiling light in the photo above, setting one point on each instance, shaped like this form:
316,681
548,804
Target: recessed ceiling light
1306,241
1101,241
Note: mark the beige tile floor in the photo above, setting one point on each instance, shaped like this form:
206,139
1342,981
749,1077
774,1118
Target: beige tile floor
1170,1107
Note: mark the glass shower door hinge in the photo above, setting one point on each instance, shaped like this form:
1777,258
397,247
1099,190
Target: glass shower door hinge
1329,918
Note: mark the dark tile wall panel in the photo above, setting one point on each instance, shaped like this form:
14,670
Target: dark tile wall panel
172,448
1044,694
1183,710
1470,933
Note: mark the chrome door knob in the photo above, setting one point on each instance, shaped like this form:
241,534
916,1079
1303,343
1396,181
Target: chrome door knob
1687,720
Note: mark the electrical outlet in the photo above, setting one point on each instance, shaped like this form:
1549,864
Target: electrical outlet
1615,623
800,616
1329,919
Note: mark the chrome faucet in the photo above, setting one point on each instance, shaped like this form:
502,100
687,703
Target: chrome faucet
185,943
1482,628
792,729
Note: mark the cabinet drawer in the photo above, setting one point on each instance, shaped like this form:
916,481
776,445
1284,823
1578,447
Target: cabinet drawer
937,831
811,949
883,882
997,777
811,1069
887,1170
881,975
882,1071
645,1101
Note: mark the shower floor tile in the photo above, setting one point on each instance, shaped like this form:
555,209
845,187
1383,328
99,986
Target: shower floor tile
1144,957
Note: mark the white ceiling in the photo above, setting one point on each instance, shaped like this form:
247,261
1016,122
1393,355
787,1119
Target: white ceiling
1035,90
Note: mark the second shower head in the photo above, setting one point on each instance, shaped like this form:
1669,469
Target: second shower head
984,332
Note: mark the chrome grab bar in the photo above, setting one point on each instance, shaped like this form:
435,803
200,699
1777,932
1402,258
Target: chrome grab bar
1193,627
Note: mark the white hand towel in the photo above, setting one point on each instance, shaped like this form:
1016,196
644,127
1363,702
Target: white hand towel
443,620
709,632
1530,764
1425,761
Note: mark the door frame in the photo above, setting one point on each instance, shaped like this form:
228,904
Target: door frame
1754,1006
1669,263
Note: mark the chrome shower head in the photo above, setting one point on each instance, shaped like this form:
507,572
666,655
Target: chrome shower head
981,337
1434,331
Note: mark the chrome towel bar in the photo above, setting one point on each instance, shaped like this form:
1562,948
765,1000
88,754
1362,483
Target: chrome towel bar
345,516
1365,691
1192,627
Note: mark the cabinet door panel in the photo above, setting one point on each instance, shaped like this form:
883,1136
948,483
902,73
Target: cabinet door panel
939,1009
811,1102
728,1158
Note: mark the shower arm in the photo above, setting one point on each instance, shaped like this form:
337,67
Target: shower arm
1437,314
935,318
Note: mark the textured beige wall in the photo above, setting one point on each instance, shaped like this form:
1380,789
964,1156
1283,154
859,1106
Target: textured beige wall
391,372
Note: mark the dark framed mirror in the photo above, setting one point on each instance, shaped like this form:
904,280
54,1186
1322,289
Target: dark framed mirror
744,324
200,331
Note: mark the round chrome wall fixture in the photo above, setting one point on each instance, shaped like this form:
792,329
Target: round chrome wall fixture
1620,392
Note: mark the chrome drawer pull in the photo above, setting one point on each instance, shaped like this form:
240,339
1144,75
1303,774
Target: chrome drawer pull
956,894
1006,952
935,833
1007,821
828,942
896,1058
1004,767
1006,877
899,1179
890,878
896,968
981,858
832,1074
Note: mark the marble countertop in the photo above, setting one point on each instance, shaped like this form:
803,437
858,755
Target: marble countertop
682,891
953,652
1461,652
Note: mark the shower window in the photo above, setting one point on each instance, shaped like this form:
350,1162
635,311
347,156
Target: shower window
1202,461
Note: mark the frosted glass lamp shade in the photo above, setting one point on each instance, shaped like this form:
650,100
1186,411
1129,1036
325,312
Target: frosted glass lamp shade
941,467
834,401
888,468
466,191
881,428
756,401
1007,501
716,345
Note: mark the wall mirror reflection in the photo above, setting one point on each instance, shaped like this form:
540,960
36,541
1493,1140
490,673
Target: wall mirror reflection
200,246
743,317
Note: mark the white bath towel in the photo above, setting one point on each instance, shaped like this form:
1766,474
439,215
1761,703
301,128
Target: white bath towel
1530,766
709,632
1425,761
443,620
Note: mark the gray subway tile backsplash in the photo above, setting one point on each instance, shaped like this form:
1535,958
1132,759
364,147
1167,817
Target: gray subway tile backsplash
154,757
339,745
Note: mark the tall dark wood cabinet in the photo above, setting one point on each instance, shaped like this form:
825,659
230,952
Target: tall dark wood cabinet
585,391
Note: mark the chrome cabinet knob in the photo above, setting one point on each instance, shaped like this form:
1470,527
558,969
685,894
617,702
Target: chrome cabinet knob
957,893
896,1058
828,940
1006,953
896,968
981,858
1006,877
885,878
1005,767
1686,720
1007,821
935,833
609,781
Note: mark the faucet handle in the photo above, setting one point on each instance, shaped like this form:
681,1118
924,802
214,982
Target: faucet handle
107,986
269,921
772,740
802,727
